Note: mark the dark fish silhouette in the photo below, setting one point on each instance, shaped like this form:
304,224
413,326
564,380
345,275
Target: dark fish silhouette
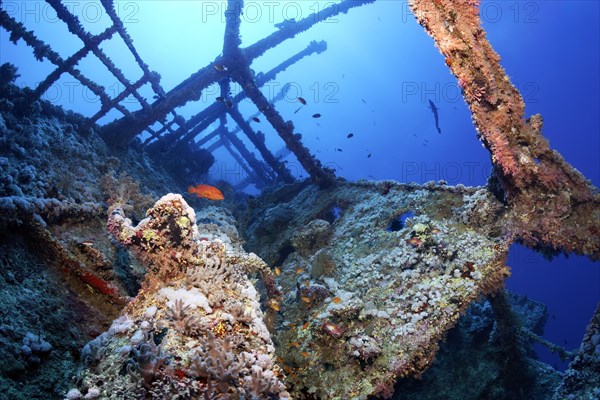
316,116
302,101
369,156
363,100
255,119
350,135
338,149
434,110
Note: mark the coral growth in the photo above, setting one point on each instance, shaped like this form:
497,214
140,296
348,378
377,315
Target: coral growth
581,380
549,199
364,304
196,328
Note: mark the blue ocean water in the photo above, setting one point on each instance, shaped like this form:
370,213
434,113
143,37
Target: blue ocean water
375,81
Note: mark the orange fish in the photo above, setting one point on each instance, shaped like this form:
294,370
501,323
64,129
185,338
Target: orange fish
305,325
305,299
299,270
206,191
414,241
295,344
274,306
277,271
304,354
336,300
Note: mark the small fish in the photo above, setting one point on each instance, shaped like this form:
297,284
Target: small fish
424,144
306,299
316,115
318,124
305,325
206,191
295,344
304,354
338,149
414,241
220,67
369,156
336,300
301,100
426,140
299,270
228,103
415,135
350,135
434,110
332,329
255,119
277,271
274,306
363,100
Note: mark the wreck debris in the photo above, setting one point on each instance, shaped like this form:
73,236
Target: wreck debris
175,130
196,328
553,206
581,379
361,306
233,65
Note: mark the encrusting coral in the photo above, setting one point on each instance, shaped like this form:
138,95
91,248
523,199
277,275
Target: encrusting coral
365,304
196,327
553,206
